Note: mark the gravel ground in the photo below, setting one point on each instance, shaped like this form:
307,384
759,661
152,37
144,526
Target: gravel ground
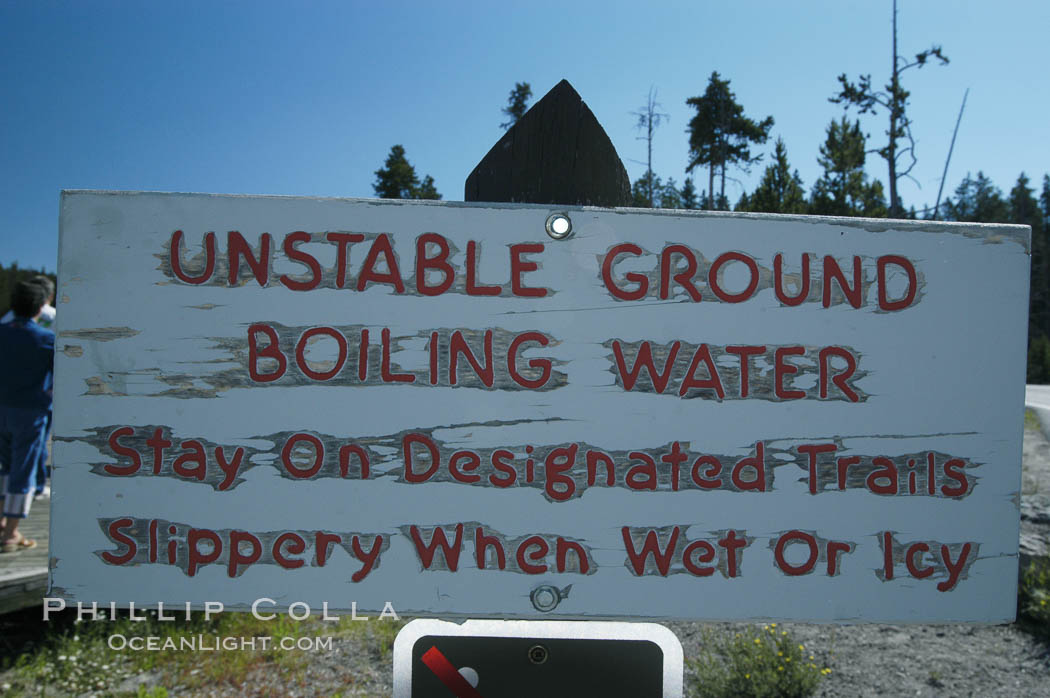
866,660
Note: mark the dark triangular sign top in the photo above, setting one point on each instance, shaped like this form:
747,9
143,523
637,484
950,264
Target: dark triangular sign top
557,153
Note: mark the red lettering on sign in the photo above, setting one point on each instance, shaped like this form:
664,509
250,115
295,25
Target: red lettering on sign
499,460
114,531
519,266
909,561
195,558
953,469
544,365
300,353
193,452
368,559
913,282
593,458
296,547
473,287
438,263
804,568
558,486
732,543
209,259
832,272
458,345
643,476
482,542
343,240
838,379
713,381
525,558
707,555
229,468
651,547
322,542
887,472
745,352
607,276
120,450
782,368
237,557
813,450
406,448
384,366
158,443
237,248
362,459
758,464
286,455
369,274
714,470
271,351
562,547
304,258
778,281
438,540
716,285
683,277
644,359
472,462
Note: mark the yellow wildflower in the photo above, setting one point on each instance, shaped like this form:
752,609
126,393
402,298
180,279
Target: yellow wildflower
780,668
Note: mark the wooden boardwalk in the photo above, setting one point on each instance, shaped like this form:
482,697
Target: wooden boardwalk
23,575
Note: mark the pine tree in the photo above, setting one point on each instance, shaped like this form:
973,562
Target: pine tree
670,197
977,201
780,190
843,189
721,135
1024,210
641,194
426,190
517,103
688,195
397,179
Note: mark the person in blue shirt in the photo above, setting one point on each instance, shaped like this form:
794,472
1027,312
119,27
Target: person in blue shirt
26,385
46,320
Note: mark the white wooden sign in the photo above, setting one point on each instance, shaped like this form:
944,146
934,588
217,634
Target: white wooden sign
440,407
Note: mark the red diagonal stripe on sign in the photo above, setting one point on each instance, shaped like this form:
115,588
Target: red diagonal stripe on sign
448,674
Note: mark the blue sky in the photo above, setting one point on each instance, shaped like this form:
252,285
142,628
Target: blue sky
306,98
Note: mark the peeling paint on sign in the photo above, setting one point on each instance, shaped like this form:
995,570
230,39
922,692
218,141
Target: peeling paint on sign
438,406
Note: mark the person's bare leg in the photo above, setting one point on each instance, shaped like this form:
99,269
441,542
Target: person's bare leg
10,532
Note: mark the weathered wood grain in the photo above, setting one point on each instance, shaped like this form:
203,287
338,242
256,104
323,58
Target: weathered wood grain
556,153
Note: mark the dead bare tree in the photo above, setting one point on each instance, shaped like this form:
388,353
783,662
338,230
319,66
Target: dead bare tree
894,100
648,121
